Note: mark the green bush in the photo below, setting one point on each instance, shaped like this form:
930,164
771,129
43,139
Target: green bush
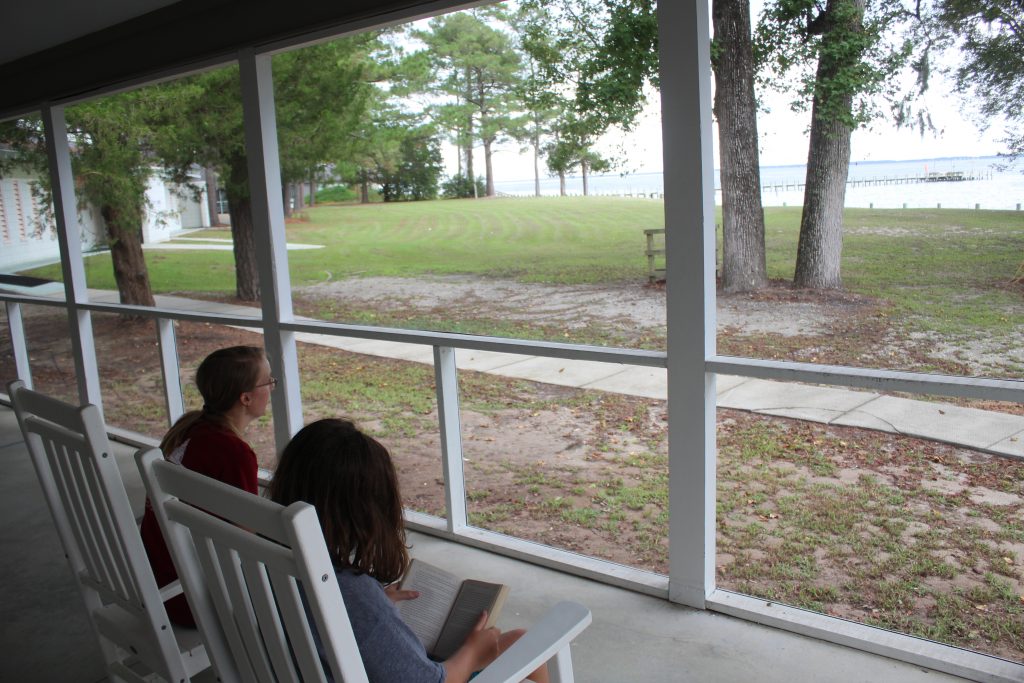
337,193
460,186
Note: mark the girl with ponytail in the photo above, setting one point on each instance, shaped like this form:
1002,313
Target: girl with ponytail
235,384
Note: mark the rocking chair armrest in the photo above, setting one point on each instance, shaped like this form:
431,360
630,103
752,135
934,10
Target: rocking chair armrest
542,641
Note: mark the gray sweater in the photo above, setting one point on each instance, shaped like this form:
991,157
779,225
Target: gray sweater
391,652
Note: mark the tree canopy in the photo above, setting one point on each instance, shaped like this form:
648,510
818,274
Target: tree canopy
476,66
991,38
320,91
110,140
845,55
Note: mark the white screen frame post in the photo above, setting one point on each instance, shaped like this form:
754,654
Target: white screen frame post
19,346
170,369
256,74
684,42
69,240
446,386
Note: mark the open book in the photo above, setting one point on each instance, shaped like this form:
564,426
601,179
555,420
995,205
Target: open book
447,608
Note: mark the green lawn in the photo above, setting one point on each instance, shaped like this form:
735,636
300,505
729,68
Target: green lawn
943,271
559,240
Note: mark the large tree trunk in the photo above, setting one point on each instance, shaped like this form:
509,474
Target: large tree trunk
212,195
247,281
312,189
470,173
821,225
743,252
828,165
585,169
286,193
488,169
300,196
561,183
364,189
130,271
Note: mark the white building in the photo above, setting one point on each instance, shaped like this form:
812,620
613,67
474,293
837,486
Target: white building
27,231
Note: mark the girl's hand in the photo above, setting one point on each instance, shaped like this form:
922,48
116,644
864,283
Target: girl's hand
396,594
483,642
479,650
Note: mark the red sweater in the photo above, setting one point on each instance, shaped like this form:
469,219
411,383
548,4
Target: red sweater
217,453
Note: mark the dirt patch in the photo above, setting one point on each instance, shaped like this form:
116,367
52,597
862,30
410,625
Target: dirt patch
575,306
778,323
1003,352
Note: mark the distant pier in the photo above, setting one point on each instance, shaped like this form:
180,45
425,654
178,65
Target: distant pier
935,177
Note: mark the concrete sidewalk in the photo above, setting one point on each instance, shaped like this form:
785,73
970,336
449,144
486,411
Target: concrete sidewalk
991,432
998,433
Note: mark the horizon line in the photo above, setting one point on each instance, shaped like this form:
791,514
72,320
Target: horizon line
852,163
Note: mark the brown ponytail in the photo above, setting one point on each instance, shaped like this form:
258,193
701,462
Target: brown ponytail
222,378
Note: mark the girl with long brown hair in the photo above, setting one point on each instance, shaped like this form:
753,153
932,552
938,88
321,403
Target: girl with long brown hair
348,476
235,385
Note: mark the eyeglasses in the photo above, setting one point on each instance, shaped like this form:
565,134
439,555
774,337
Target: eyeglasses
272,383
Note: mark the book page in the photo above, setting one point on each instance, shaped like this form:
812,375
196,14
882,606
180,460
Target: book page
473,598
426,614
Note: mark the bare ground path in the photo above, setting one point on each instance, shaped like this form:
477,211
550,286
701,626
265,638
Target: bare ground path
577,305
780,322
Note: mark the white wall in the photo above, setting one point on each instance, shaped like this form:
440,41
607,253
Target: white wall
27,233
173,209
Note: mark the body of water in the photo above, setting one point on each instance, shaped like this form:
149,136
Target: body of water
990,184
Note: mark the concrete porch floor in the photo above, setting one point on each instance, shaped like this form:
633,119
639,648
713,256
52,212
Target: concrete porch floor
46,638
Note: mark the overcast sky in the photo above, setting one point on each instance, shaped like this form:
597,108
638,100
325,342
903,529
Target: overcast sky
783,136
783,139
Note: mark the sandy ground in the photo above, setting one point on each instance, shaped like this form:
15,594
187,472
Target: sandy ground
571,305
778,322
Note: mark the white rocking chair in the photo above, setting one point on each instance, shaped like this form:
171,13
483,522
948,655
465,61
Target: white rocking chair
83,489
242,559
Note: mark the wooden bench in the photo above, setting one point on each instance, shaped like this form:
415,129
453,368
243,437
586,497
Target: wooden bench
654,273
